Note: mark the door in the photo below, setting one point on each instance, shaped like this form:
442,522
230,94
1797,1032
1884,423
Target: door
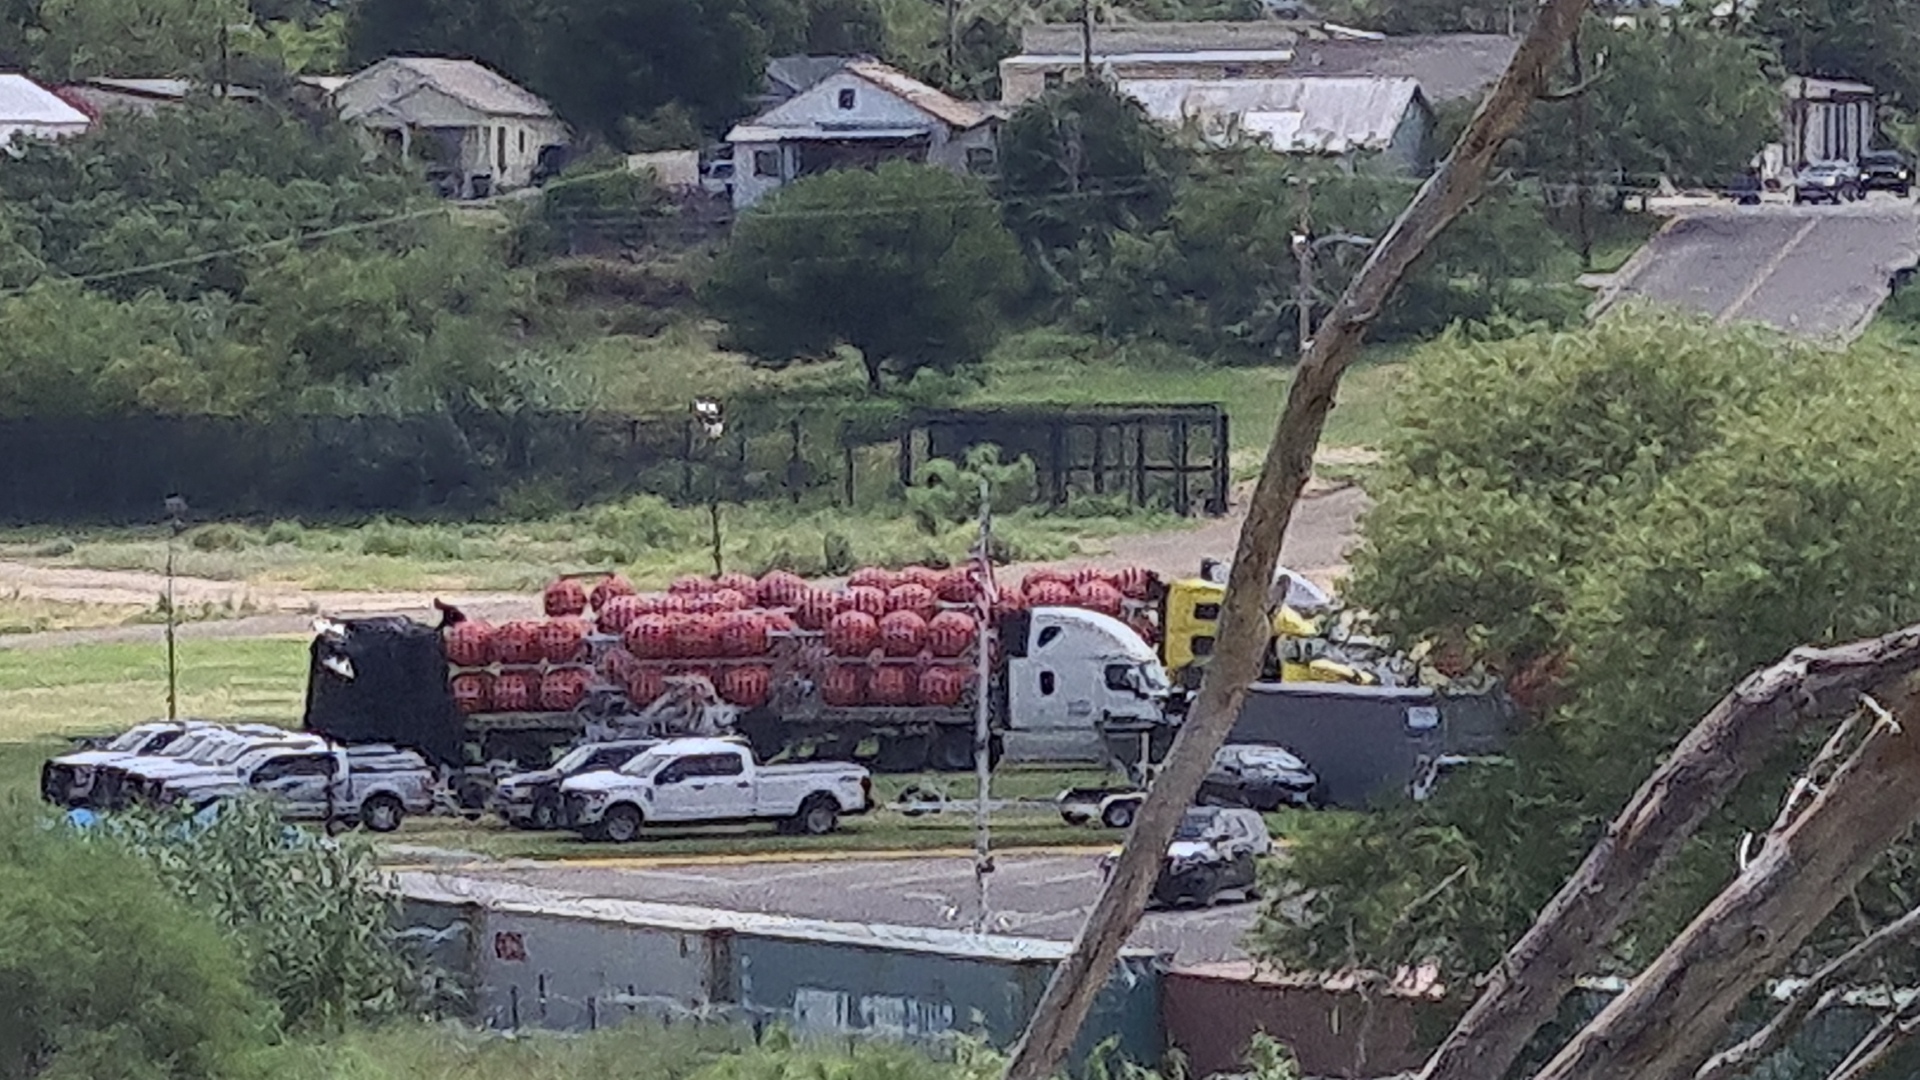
703,787
1037,696
300,784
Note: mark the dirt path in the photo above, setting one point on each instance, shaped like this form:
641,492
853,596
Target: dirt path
1325,528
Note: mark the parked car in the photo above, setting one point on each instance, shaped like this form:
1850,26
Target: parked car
1214,850
144,780
118,782
375,786
68,780
1827,181
1745,189
712,781
1249,775
531,800
1886,170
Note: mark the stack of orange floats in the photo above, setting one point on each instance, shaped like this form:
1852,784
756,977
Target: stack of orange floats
898,638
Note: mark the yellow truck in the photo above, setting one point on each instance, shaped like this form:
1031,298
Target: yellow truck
1190,619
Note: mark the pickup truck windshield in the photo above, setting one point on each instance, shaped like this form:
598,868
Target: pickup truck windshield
574,759
128,740
645,764
1193,827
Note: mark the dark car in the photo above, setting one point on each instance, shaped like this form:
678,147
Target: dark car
1214,850
1745,189
1827,181
1261,777
531,800
1886,170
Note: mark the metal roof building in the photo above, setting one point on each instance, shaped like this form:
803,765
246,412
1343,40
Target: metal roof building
1321,116
32,110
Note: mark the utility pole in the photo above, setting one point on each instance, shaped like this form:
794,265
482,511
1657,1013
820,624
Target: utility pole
1303,259
982,727
176,524
226,64
712,421
1086,39
953,44
1581,194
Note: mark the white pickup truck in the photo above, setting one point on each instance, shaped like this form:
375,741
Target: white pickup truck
377,786
712,781
67,780
119,782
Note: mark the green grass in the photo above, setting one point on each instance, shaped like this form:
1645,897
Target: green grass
643,537
96,689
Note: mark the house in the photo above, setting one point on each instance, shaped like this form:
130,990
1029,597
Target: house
1386,119
31,110
859,116
790,76
476,130
1448,67
1826,120
99,97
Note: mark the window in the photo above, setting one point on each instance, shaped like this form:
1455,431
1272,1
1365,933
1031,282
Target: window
846,99
1119,677
1046,637
766,163
309,765
1046,683
523,140
1203,646
500,158
1053,80
1233,71
980,160
1206,612
702,766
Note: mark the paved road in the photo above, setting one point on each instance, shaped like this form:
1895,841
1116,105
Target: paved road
1816,271
1045,896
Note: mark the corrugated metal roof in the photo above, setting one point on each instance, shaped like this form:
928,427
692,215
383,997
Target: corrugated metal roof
1319,116
949,109
23,101
474,85
753,133
525,900
1820,89
1203,56
792,74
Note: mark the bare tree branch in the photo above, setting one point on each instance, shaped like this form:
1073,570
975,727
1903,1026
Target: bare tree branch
1667,1023
1770,706
1244,626
1884,1039
1813,997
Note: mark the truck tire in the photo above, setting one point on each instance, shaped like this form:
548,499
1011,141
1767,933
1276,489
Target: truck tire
818,816
621,825
1119,814
382,813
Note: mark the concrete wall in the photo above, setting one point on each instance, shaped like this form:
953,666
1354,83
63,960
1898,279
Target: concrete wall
534,959
1212,1013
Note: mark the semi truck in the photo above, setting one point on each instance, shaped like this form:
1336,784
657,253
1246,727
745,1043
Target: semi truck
1055,676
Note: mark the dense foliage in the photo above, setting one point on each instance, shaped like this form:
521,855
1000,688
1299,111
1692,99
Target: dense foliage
908,264
1081,162
151,267
1632,517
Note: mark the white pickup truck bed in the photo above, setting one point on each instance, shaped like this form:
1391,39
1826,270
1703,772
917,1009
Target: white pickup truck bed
712,781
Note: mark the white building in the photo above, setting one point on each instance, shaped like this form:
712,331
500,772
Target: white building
864,114
1384,120
32,111
476,130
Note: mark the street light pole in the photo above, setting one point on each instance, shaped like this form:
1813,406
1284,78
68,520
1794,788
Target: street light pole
982,721
176,524
707,413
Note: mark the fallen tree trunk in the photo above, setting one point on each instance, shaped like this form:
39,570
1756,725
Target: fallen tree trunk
1244,627
1675,1012
1808,687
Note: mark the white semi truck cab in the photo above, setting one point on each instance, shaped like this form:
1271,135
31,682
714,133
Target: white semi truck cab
1070,671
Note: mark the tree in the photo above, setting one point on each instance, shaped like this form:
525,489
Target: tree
1632,516
1873,41
150,38
908,264
1082,162
501,34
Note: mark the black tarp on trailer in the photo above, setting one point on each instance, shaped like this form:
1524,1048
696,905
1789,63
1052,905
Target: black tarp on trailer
384,681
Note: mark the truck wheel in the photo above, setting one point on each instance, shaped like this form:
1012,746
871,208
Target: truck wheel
382,813
1119,815
818,816
621,825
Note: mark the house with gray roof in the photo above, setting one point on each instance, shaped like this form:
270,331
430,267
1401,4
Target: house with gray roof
861,115
1384,123
476,131
1448,67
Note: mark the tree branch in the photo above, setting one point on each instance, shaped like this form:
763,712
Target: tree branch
1244,628
1525,989
1870,1052
1814,997
1667,1023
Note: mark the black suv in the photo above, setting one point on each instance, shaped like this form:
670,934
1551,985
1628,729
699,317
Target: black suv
1886,170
